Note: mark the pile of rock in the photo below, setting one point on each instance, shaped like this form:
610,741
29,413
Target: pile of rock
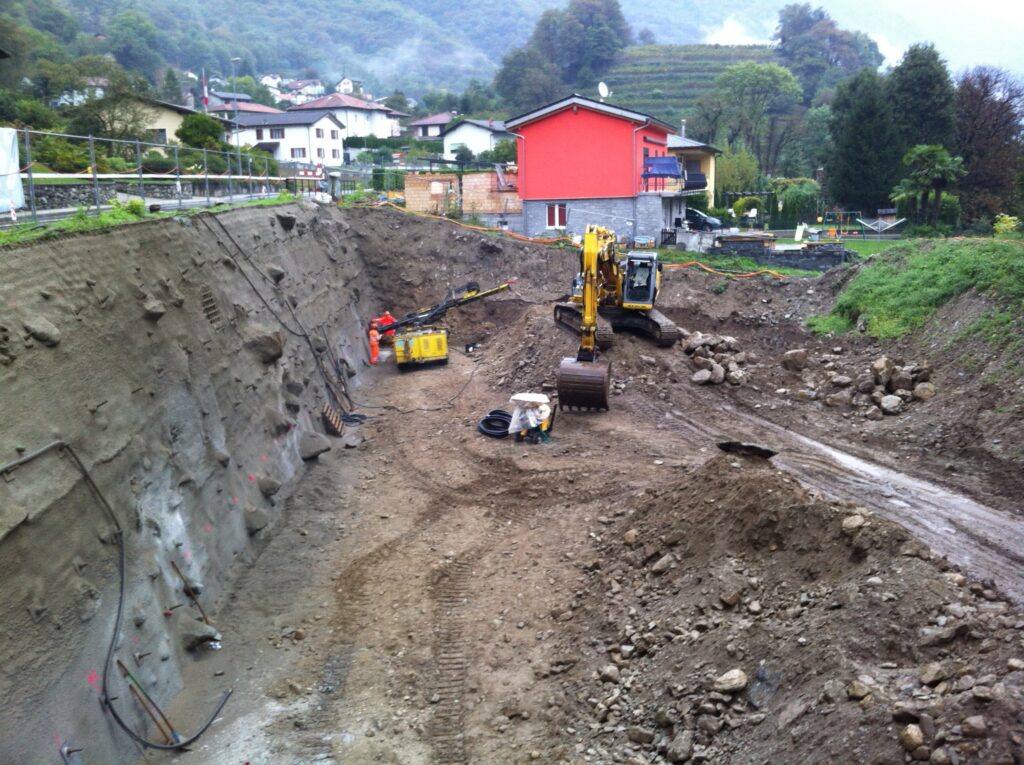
888,387
718,359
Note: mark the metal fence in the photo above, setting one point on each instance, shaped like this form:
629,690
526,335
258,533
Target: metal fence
62,173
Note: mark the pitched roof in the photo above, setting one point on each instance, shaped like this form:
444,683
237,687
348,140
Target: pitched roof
246,107
587,103
441,118
339,101
297,84
678,142
182,109
226,95
262,119
495,126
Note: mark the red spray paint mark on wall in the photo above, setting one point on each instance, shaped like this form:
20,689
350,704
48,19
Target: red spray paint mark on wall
93,679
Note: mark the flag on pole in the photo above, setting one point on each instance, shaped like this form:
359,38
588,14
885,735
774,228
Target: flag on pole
206,91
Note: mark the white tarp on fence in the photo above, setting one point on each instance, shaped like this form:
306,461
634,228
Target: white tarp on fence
11,193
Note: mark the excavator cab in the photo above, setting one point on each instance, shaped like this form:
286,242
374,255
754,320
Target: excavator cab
642,277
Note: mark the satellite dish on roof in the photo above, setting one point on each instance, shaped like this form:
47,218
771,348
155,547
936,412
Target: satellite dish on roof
602,88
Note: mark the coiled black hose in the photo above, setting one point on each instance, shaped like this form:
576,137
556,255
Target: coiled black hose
495,424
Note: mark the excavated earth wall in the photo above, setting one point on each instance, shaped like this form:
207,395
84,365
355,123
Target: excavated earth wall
170,356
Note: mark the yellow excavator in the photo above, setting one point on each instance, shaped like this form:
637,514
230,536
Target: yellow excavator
626,292
583,380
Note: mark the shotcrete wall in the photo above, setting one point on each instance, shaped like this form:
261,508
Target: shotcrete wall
166,354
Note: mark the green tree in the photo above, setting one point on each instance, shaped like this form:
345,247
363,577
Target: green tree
170,89
818,52
932,169
864,165
922,97
812,145
134,42
251,86
121,113
990,138
735,170
397,101
527,80
16,43
503,153
464,154
759,109
201,131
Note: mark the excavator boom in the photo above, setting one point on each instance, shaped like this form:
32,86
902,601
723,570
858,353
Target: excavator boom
583,380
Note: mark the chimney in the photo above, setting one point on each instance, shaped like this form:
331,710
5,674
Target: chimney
682,128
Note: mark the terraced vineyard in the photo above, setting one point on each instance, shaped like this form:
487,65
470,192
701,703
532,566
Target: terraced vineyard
666,80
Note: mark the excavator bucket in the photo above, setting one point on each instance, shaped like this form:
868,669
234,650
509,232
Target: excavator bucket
583,384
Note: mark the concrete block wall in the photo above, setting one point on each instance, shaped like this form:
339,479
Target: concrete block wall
481,196
431,193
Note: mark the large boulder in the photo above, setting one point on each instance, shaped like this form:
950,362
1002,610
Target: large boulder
312,445
42,330
266,343
891,404
795,360
882,369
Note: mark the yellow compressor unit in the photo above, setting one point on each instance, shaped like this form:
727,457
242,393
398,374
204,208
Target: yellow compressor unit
420,346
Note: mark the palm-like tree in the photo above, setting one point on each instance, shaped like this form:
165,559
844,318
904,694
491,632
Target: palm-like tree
932,170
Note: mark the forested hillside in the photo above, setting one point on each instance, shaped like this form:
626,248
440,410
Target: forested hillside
409,44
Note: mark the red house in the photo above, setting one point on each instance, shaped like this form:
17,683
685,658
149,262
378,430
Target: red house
583,161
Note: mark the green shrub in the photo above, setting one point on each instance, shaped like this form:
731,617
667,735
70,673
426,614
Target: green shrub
60,155
1006,224
156,162
699,202
743,205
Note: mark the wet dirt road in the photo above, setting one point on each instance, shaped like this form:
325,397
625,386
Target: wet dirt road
986,542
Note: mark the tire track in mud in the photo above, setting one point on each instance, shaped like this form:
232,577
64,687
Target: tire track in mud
986,542
500,510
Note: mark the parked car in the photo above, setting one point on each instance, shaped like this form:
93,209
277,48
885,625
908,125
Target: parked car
702,221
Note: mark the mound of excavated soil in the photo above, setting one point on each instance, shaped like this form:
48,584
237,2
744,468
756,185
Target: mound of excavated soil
746,620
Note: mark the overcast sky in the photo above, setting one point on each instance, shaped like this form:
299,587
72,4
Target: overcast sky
966,34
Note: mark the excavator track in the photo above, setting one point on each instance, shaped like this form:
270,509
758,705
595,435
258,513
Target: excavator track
570,315
653,324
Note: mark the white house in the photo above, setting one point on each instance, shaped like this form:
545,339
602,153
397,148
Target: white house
305,87
360,118
347,86
475,135
314,137
430,127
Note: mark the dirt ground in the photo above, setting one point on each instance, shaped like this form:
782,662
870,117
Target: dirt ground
627,592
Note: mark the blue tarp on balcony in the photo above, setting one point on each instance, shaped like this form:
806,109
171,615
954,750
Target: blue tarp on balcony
661,167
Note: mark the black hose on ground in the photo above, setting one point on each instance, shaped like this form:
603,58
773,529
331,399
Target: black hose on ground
495,424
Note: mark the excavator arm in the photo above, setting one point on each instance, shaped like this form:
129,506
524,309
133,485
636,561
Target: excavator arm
583,380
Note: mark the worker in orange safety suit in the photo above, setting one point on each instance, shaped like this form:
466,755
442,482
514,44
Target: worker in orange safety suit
384,321
374,343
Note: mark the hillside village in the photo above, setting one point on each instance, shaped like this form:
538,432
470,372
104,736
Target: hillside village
790,131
